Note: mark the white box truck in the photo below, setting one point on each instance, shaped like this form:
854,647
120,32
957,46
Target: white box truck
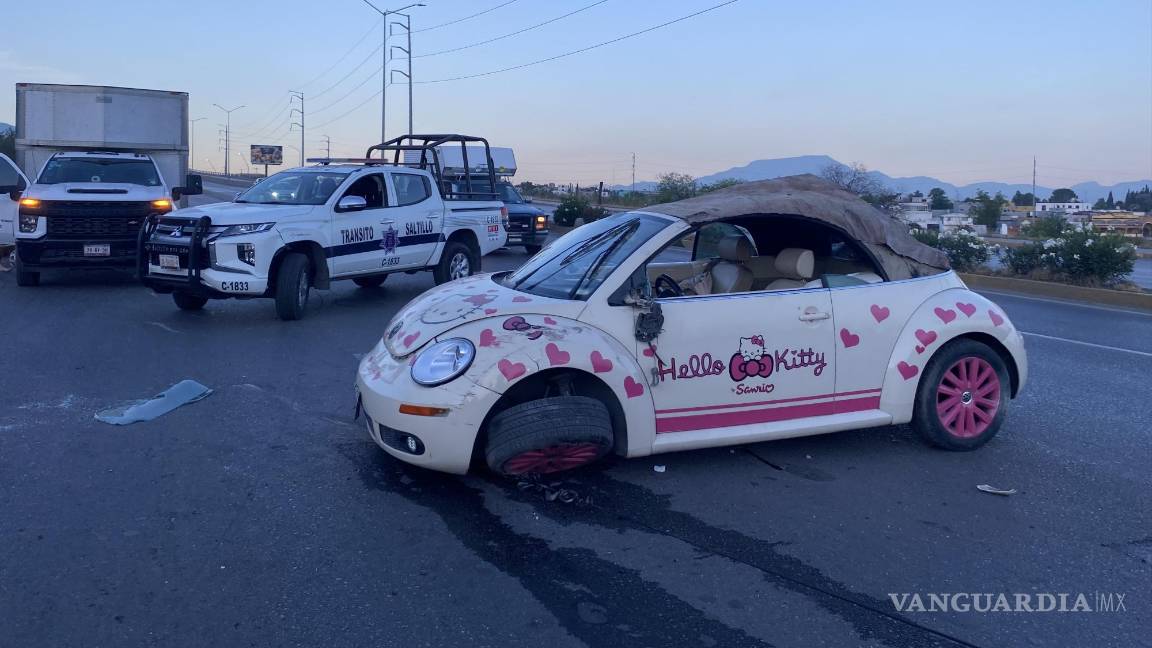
100,161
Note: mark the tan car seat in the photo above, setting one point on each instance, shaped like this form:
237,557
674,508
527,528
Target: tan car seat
796,266
730,275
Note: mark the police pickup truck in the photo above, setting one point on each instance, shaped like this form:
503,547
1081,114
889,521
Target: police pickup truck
303,228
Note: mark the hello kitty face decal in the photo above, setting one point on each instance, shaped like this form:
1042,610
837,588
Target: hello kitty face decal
454,307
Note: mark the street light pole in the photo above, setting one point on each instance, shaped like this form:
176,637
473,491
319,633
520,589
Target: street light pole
192,140
407,25
298,95
227,133
384,13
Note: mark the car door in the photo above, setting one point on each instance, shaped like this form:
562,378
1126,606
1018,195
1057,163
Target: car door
361,242
10,176
418,216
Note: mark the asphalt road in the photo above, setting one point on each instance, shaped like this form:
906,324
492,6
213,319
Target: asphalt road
263,516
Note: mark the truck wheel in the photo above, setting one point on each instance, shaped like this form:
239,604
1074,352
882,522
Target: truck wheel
293,284
962,397
370,282
457,262
187,302
25,277
548,435
533,249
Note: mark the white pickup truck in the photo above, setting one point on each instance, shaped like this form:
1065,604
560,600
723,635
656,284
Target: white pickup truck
341,219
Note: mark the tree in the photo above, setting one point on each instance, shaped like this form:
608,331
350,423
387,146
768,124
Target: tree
720,184
937,199
8,142
916,194
854,178
986,210
676,186
1110,203
1063,195
1023,199
1100,204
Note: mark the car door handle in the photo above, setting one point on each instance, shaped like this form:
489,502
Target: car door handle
813,316
388,222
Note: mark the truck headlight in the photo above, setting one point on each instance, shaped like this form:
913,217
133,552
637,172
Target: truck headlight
28,223
239,230
246,252
443,362
541,221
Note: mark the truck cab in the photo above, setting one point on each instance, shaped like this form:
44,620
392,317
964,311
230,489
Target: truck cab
85,209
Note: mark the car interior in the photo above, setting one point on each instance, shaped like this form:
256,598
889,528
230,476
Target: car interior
371,188
763,253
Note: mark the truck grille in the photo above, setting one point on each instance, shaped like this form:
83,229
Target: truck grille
90,219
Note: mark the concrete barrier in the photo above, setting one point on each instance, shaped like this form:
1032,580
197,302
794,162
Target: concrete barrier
1053,290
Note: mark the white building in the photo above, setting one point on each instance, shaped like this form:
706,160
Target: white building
1061,208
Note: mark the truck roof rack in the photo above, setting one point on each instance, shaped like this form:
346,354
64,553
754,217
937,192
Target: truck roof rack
428,145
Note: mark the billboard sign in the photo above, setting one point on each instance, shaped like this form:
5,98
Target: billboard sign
267,154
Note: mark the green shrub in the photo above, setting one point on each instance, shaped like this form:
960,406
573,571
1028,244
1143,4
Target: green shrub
571,207
966,251
1045,228
1080,256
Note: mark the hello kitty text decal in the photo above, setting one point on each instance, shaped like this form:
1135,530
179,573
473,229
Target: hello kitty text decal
752,360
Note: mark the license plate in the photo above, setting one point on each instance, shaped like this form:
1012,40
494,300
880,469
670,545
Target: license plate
170,261
98,250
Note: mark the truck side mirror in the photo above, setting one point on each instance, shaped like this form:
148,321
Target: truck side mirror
193,186
351,203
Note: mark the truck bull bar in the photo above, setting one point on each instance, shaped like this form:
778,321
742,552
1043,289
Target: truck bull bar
200,229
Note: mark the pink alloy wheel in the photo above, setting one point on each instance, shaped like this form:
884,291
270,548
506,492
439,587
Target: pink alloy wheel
552,459
968,397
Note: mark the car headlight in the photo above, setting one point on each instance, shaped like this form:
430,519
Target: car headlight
443,362
238,230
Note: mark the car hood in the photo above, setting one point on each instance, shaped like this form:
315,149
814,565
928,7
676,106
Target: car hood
531,210
453,304
96,191
233,213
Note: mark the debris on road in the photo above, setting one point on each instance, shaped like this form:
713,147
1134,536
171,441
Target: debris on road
996,491
553,492
182,393
659,468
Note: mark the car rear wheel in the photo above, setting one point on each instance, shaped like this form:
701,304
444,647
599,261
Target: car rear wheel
187,302
293,285
548,435
370,282
963,396
533,249
24,277
457,262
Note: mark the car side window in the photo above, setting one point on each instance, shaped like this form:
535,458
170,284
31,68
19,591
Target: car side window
410,188
9,177
371,189
708,237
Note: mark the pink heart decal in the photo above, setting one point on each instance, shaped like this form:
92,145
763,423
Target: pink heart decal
648,352
946,315
410,339
996,319
511,370
489,311
549,320
849,338
880,313
919,349
600,364
487,339
521,299
555,355
908,371
633,388
926,337
968,309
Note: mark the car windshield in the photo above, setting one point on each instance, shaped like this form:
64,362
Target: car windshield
509,195
574,266
100,170
294,188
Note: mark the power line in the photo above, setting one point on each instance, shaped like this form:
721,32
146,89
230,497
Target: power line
354,70
340,60
508,35
351,110
583,49
374,74
460,20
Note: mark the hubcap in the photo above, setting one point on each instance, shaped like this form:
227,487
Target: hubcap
968,397
459,267
565,456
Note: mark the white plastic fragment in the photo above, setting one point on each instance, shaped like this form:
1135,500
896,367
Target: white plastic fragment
182,393
995,491
659,468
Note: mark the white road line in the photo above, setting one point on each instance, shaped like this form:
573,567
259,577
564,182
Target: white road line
1063,302
1090,344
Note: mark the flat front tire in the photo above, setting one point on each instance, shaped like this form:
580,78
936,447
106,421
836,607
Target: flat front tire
293,285
963,396
548,435
457,262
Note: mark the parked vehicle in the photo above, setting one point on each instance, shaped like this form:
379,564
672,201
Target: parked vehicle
303,228
103,159
801,310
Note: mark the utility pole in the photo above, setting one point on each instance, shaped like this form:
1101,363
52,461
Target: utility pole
407,25
192,141
296,94
327,146
227,133
1033,185
633,173
384,13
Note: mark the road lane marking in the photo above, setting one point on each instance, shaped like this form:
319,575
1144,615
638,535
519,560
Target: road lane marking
1090,344
1063,302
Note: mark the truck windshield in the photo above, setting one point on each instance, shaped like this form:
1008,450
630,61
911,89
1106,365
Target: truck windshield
294,188
574,266
97,170
509,195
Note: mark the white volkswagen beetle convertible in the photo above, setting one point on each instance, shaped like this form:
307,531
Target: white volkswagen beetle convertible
769,310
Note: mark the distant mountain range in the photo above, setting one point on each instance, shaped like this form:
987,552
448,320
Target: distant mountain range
778,167
4,128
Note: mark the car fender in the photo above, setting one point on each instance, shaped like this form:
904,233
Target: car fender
510,350
941,318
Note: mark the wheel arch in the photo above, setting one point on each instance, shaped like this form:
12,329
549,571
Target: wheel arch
467,237
320,277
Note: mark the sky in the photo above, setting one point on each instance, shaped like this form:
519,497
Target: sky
963,91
